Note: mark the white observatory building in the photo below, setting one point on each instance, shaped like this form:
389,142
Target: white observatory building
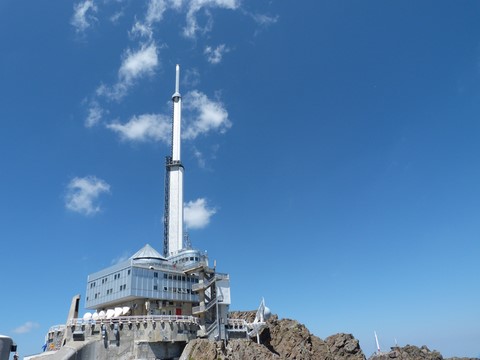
178,282
151,305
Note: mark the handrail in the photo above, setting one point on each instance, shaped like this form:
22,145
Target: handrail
237,322
137,319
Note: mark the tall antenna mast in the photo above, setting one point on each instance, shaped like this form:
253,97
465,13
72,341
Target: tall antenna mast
376,340
173,232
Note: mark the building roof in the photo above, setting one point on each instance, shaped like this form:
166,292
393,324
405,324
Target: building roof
147,252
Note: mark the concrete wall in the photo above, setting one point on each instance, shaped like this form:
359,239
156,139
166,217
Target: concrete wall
5,346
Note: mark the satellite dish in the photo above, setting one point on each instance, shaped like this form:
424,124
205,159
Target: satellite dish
125,310
95,316
87,316
101,315
267,313
118,311
110,313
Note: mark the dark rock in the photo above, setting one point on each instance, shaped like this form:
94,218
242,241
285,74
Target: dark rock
408,352
283,339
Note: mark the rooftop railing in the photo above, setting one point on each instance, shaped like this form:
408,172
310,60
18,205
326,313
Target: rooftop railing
137,320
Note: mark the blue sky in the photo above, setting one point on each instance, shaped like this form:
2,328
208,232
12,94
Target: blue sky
331,153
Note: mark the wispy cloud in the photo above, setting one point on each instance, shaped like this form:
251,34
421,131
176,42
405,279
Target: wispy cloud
135,65
264,20
198,213
146,127
215,55
26,328
138,63
208,115
116,16
192,27
191,78
155,11
200,158
83,15
120,258
82,194
95,113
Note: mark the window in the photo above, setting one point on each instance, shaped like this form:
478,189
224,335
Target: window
174,277
165,276
165,288
155,274
155,287
183,278
128,273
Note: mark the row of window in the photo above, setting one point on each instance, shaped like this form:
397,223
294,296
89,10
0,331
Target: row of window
186,259
177,277
110,291
105,279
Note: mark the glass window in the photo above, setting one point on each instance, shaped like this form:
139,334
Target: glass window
155,274
165,276
128,273
155,287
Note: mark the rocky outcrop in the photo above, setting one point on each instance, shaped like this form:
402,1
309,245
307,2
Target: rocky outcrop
282,339
408,352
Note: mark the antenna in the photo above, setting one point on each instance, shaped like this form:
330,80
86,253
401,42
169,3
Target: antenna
177,79
376,340
173,219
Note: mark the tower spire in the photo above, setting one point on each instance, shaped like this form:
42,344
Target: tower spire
174,191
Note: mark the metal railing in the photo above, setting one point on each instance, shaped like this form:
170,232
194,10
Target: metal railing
137,320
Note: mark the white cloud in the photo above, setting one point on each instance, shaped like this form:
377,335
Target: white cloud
155,11
82,194
192,27
139,63
264,20
135,65
197,214
95,113
208,115
200,157
214,56
116,16
83,15
144,127
141,29
26,328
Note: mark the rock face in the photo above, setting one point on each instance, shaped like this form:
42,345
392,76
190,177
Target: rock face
282,339
408,352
